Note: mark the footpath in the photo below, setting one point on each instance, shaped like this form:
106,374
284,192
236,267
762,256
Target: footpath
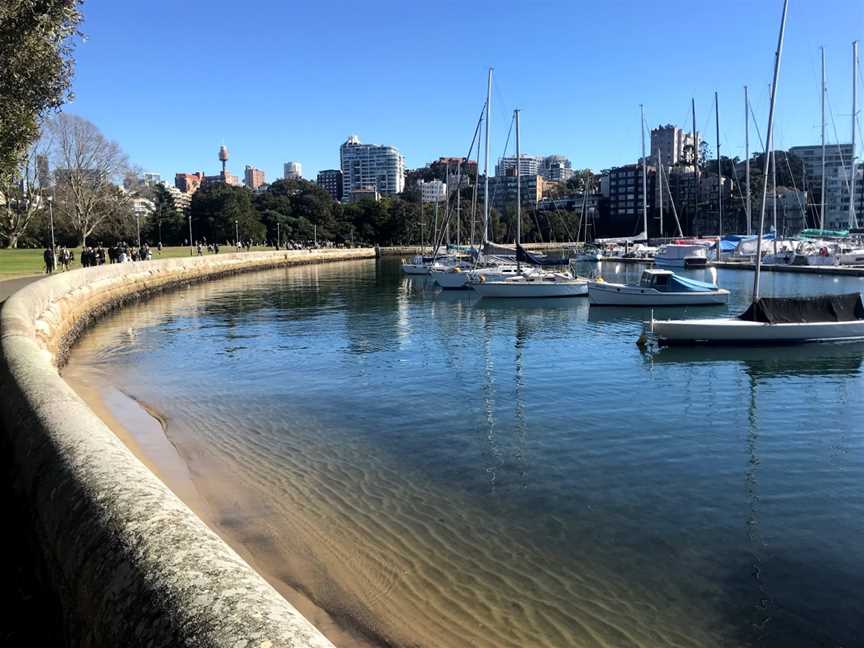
29,615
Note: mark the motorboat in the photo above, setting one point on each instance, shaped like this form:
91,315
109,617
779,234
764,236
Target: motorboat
771,320
589,254
537,284
681,255
657,288
417,265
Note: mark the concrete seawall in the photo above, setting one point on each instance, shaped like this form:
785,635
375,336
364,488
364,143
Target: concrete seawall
131,564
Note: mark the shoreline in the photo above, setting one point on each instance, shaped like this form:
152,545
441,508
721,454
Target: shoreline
143,429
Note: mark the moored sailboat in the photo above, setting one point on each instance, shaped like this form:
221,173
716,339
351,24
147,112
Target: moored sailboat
770,320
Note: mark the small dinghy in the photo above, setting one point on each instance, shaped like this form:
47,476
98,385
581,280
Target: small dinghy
657,288
772,320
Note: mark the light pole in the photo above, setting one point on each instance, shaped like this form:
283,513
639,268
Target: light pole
51,218
191,244
160,233
237,234
278,237
138,227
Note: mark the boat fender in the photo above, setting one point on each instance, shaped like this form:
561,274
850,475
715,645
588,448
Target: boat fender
482,279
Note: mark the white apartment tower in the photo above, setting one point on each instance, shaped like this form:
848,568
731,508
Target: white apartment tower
292,171
366,166
675,145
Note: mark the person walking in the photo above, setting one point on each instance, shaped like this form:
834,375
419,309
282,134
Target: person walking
48,256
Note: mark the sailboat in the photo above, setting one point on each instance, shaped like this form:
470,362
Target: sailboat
528,283
770,320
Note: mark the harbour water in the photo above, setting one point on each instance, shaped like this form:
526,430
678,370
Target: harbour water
432,469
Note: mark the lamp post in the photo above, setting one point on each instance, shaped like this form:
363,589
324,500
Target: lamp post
278,236
237,234
51,218
191,244
138,227
160,233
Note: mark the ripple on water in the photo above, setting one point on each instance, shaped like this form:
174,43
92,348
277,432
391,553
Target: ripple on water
446,471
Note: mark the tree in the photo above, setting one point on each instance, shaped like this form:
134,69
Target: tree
24,196
167,223
220,210
87,167
36,53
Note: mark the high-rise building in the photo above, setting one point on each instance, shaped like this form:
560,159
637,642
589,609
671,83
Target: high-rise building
43,173
837,176
528,165
432,191
556,168
188,182
151,178
254,178
181,199
625,198
502,191
292,171
331,181
674,144
370,165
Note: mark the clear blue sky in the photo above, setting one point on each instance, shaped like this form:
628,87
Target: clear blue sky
279,81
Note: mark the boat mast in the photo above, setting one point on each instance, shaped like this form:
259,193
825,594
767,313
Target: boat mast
747,155
486,161
518,194
719,177
644,174
660,185
695,150
777,56
774,189
853,221
459,207
822,193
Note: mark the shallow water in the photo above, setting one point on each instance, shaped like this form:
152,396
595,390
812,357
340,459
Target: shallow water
437,470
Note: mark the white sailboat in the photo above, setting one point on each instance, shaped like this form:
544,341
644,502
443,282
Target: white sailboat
532,283
681,255
770,320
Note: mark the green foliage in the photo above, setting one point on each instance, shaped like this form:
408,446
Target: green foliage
36,70
216,207
165,219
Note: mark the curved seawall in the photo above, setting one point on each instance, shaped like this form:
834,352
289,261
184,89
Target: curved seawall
130,563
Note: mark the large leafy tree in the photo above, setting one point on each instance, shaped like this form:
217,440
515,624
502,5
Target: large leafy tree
36,41
167,223
218,210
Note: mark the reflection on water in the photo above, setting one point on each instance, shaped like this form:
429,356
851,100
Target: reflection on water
435,469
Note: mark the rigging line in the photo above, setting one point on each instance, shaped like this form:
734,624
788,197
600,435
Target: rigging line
448,212
671,200
837,139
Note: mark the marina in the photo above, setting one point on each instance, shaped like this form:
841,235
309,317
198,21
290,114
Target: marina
428,467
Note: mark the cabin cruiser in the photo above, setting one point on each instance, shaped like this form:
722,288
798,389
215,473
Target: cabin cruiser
656,288
681,255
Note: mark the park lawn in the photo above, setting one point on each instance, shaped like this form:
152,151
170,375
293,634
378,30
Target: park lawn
23,262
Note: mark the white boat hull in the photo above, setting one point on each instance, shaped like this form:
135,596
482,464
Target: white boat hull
531,289
612,294
736,331
450,280
686,262
415,269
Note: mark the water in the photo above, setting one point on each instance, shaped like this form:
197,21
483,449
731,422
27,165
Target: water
436,470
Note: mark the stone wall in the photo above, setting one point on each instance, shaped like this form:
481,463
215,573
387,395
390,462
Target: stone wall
130,563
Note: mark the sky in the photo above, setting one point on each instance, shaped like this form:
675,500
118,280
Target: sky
278,81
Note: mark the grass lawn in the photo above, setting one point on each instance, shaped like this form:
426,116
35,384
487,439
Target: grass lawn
22,262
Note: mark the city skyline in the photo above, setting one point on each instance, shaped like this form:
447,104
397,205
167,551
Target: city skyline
580,96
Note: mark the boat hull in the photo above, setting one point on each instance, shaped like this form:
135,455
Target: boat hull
530,289
736,331
451,280
610,294
686,262
414,269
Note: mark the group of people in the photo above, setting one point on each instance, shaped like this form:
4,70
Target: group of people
61,256
90,256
